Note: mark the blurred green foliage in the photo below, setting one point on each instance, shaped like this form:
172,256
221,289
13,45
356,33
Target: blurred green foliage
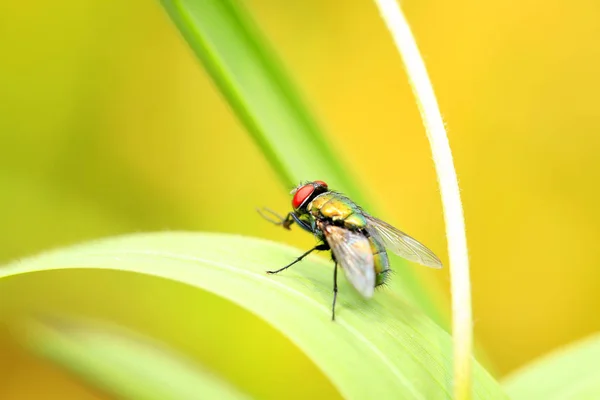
109,125
570,373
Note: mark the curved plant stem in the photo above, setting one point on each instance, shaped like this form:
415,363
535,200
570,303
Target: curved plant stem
450,193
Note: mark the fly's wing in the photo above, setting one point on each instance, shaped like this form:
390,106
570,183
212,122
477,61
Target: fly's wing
400,243
353,252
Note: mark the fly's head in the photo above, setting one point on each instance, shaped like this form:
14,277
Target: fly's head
305,193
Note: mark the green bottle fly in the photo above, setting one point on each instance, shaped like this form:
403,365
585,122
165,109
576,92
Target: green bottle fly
357,240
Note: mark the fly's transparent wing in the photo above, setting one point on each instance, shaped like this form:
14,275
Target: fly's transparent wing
400,243
353,252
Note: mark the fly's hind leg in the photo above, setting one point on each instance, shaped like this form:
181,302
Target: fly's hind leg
322,246
335,291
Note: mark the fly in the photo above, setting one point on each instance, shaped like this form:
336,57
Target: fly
358,241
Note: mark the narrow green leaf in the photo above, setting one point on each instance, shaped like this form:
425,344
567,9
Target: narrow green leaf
230,47
381,348
235,55
124,364
572,373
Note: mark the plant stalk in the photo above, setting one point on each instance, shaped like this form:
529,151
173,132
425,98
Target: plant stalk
449,190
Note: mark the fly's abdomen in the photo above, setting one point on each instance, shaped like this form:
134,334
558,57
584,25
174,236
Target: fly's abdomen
380,261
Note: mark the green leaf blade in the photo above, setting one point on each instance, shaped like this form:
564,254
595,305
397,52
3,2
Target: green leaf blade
572,373
235,56
381,348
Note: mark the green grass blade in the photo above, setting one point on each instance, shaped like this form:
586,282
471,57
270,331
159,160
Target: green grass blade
123,364
379,348
572,373
235,55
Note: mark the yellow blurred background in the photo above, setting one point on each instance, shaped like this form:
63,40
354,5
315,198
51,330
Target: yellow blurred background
108,124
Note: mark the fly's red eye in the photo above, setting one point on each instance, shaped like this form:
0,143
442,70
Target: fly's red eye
321,183
301,195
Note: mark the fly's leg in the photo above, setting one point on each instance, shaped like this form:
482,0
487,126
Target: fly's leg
275,218
335,290
322,246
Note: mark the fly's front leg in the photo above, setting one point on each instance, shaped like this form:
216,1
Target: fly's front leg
275,218
301,223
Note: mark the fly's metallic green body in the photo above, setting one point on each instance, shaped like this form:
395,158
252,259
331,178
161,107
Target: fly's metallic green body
357,240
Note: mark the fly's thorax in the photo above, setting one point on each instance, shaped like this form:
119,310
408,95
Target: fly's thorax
355,220
337,208
381,262
314,206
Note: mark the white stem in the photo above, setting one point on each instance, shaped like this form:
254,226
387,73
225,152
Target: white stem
453,213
